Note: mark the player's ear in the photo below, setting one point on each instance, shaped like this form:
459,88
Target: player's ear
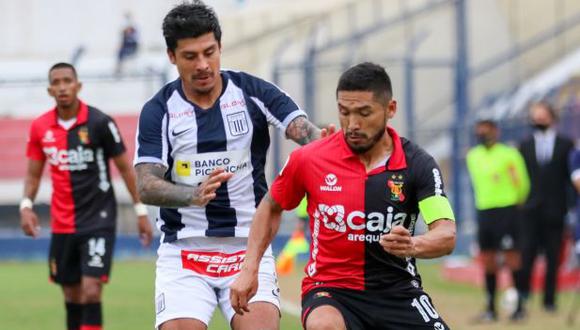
49,91
171,55
80,86
391,109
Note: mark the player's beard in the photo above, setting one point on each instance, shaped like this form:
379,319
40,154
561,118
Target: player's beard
361,149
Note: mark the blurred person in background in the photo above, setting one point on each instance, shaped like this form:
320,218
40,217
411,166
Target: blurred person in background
500,184
365,187
297,243
129,43
201,152
546,154
77,141
575,177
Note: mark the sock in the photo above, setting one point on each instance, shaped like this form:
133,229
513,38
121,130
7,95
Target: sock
518,281
490,282
74,314
92,317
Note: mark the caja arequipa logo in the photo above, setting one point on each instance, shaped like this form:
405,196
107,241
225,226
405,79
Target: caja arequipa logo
330,181
331,216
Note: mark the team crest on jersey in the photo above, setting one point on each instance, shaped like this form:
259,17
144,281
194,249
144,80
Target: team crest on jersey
237,123
395,184
48,136
84,135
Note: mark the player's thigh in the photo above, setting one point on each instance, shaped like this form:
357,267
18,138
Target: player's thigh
325,317
183,324
264,306
262,315
97,254
328,308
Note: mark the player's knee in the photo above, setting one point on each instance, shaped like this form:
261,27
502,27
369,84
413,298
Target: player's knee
92,292
325,318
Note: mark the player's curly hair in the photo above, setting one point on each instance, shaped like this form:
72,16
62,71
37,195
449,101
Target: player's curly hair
369,77
190,20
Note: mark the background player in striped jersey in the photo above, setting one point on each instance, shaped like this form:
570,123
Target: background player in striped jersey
199,131
78,141
365,188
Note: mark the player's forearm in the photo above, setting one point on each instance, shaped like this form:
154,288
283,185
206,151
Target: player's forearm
128,176
302,131
437,242
154,190
32,180
263,230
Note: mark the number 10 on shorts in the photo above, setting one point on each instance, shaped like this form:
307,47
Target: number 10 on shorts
423,305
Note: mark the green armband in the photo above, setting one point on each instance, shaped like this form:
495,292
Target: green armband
435,208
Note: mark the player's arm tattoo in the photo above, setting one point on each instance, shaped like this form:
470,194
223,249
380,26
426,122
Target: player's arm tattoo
302,131
274,206
155,190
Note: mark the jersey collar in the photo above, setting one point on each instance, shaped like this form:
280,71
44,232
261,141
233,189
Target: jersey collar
82,115
397,160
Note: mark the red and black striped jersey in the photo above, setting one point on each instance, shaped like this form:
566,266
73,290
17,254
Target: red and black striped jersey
350,208
83,199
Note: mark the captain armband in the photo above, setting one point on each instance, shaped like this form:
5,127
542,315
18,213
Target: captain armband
436,207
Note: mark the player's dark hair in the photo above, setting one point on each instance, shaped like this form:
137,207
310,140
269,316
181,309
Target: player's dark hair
369,77
62,65
190,20
486,122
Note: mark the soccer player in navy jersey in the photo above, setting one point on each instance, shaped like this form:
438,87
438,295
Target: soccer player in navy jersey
365,188
77,141
201,153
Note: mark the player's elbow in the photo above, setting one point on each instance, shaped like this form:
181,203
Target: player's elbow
450,237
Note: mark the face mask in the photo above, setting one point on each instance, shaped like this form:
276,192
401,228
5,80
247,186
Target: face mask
484,139
540,127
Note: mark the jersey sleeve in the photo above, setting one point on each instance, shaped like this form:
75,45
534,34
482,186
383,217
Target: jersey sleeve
152,135
433,203
288,187
274,103
33,145
112,140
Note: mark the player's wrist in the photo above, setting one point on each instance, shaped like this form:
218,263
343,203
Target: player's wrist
140,209
26,203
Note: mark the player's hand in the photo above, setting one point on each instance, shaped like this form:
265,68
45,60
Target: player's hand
145,230
29,222
327,131
398,242
206,191
242,290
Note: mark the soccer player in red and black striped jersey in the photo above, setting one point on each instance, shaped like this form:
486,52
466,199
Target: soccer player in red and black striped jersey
365,188
78,141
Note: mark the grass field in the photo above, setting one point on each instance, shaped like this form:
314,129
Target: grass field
28,301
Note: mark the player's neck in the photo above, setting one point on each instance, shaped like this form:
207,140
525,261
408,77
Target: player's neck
204,100
68,112
378,152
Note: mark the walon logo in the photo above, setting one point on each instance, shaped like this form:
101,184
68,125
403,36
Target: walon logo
330,180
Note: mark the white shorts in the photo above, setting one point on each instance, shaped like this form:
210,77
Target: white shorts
194,276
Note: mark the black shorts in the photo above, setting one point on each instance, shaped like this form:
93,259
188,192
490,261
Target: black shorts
75,255
498,229
412,309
